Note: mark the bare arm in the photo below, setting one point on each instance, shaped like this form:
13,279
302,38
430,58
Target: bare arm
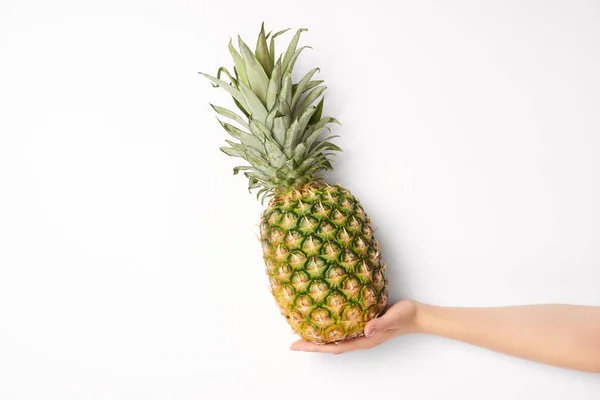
562,335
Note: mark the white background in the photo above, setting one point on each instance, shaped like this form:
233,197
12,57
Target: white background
129,264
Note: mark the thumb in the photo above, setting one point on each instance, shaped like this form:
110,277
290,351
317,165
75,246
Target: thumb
380,324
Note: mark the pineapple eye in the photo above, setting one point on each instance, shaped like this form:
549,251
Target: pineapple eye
377,277
312,244
264,227
343,236
335,273
335,301
303,207
367,233
331,249
275,235
373,254
311,331
383,300
300,278
297,258
308,224
368,295
352,313
267,250
284,270
270,266
360,243
321,316
315,264
346,204
351,284
296,316
364,268
348,256
371,313
293,238
281,251
289,220
359,210
317,288
274,217
354,225
337,216
304,301
329,196
321,209
287,291
335,334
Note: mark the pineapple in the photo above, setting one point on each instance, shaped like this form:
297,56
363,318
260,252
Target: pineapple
322,259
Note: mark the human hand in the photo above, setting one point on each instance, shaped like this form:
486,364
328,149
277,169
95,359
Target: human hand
398,320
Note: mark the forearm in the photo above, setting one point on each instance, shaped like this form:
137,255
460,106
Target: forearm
561,335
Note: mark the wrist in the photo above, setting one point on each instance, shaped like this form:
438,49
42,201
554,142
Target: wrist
421,322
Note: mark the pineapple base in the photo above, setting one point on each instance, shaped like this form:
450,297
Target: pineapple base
323,262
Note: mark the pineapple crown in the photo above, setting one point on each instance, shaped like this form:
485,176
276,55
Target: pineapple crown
279,131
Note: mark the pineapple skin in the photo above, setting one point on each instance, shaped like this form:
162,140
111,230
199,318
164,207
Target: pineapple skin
323,262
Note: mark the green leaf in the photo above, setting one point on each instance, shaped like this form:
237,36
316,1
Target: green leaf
256,74
247,139
274,85
253,183
272,44
322,147
236,94
230,114
239,168
223,70
261,191
285,96
308,100
321,123
317,115
280,126
270,117
253,157
240,67
261,131
301,86
291,138
292,48
300,153
255,107
290,66
308,141
306,164
303,121
312,84
230,152
241,108
262,52
274,154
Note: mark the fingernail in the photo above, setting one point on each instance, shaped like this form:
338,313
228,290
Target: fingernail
369,332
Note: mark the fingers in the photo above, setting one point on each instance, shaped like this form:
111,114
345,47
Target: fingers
398,316
360,343
381,324
332,348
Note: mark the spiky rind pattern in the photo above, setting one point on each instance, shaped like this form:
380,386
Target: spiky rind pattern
279,131
323,262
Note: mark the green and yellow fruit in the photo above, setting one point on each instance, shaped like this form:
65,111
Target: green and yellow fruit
322,259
